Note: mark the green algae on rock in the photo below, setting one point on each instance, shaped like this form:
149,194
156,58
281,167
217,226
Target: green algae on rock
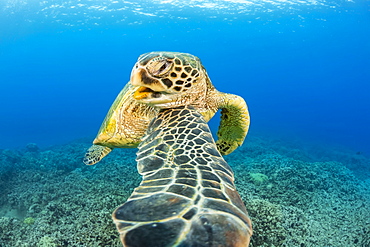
257,178
29,221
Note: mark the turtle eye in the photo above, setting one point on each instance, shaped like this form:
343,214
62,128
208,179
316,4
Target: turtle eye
161,68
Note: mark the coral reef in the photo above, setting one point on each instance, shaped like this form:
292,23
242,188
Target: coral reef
293,197
32,147
321,203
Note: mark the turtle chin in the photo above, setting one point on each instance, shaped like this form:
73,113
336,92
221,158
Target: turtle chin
157,100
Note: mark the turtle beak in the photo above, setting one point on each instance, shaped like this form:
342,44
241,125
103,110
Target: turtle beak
149,87
136,80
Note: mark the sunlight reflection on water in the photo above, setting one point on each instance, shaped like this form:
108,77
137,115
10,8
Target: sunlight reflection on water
97,12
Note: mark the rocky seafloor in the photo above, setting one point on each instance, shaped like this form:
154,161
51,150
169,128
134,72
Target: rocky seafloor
296,195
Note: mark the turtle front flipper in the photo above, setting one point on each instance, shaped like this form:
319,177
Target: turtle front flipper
95,154
234,123
187,197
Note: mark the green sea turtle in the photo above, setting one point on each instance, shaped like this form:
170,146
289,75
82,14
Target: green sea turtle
167,79
187,196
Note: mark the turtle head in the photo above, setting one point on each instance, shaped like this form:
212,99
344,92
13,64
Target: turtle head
168,79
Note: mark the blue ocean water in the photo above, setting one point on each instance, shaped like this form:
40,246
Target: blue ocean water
302,66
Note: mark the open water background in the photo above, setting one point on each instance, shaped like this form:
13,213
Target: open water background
302,66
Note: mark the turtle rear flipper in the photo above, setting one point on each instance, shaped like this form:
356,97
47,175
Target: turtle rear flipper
234,123
95,154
